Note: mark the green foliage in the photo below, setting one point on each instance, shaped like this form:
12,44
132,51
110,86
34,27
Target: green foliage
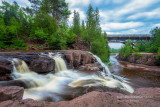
3,45
46,22
136,47
17,44
126,50
112,50
155,39
39,35
138,55
158,55
92,33
76,23
110,64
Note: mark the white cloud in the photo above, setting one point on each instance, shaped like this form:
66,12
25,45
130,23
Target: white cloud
134,6
156,25
82,3
73,3
120,26
114,1
152,14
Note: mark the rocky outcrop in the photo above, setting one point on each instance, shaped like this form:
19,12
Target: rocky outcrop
11,93
143,96
79,44
75,59
81,60
143,58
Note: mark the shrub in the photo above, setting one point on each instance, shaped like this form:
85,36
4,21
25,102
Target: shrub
18,44
138,55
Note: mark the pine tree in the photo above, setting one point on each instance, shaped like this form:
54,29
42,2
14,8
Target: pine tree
83,26
76,23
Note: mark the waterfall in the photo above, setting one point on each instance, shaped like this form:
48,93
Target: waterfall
22,72
59,84
60,64
107,72
105,68
20,66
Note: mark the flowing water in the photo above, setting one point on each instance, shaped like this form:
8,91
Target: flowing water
137,77
65,83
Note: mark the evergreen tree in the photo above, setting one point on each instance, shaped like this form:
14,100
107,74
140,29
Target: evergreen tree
76,23
83,26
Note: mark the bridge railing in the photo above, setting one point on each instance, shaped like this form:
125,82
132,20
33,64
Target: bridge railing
129,35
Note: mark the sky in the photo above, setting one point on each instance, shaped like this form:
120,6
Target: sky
118,16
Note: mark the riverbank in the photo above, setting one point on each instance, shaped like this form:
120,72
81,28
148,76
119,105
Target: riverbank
153,69
141,58
139,75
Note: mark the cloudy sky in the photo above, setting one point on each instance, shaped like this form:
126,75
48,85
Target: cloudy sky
118,16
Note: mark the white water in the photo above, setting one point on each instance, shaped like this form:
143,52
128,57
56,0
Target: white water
105,68
63,83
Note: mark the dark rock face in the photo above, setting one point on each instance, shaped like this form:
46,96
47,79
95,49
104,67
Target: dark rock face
146,59
5,66
81,60
13,83
42,65
11,93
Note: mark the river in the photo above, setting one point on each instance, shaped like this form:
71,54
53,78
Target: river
137,77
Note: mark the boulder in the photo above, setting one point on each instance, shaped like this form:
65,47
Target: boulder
5,66
11,93
42,65
19,83
81,60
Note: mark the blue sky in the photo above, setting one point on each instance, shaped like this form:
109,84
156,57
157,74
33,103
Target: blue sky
118,16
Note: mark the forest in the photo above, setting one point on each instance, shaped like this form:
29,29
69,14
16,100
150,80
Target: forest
46,21
152,46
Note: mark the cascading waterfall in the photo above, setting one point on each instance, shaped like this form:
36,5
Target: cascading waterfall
59,62
105,68
56,86
106,71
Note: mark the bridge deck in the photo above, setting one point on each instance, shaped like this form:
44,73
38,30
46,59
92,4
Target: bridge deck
133,37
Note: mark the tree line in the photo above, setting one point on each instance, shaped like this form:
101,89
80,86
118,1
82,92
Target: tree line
46,21
152,46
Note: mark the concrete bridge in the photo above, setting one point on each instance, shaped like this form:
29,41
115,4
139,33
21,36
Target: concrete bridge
122,38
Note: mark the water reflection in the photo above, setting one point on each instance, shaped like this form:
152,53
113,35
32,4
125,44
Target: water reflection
137,77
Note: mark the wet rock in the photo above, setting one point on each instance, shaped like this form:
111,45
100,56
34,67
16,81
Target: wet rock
43,65
89,67
81,60
5,66
19,83
11,93
107,89
75,59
